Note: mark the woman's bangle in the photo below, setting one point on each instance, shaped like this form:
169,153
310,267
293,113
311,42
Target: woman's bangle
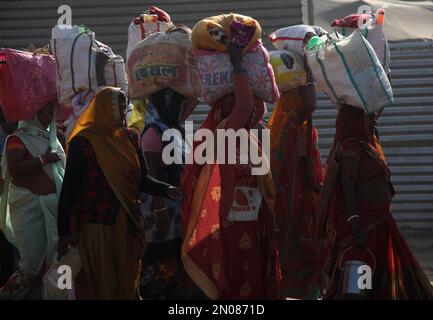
42,160
310,82
352,217
159,211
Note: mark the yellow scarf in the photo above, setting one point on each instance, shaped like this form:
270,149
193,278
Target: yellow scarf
102,126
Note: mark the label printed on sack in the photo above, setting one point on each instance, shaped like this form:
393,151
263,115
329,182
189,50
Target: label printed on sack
162,70
160,64
218,78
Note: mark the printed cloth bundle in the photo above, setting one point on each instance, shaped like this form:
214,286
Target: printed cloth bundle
216,73
214,33
27,83
163,60
349,72
288,69
371,26
75,49
154,20
292,38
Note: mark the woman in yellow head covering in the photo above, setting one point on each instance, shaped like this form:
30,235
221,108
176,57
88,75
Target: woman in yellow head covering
99,208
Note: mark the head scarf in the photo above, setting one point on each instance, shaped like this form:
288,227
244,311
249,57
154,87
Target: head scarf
37,140
169,105
351,123
101,124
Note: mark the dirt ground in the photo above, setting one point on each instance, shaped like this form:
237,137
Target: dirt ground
420,241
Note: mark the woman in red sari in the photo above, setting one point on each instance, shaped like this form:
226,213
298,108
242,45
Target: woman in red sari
230,257
297,173
358,221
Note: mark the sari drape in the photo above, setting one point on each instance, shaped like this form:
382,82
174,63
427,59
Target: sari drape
398,274
297,173
226,260
29,221
110,255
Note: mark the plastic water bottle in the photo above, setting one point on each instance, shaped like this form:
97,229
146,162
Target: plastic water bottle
380,16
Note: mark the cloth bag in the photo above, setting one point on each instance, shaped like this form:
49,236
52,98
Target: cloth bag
75,51
209,33
349,72
142,27
288,69
292,38
375,35
51,278
163,60
216,73
27,83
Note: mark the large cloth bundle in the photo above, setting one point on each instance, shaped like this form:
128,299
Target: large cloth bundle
288,69
216,73
213,33
372,29
163,60
27,83
142,27
292,38
75,50
349,72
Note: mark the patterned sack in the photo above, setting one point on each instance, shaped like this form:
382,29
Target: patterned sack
142,27
163,60
288,69
213,33
75,51
349,72
27,83
216,73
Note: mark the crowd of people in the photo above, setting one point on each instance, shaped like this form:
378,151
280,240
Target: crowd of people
89,192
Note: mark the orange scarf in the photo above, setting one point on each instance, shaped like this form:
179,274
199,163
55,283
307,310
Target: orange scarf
102,126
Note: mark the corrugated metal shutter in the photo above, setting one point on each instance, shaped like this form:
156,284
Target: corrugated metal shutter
406,131
26,22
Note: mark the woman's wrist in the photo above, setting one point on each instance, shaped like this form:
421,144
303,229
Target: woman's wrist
160,211
42,160
237,67
353,218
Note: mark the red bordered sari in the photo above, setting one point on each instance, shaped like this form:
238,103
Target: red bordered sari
297,172
397,274
227,260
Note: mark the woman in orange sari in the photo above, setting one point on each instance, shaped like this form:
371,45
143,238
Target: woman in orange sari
357,219
226,255
99,209
297,173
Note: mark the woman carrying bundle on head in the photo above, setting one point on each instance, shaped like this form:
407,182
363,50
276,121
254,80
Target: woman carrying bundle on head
32,166
297,173
162,269
357,224
229,249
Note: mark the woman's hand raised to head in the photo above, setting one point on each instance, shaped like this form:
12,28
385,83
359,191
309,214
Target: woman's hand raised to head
307,69
236,54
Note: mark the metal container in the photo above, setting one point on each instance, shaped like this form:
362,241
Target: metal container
350,277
